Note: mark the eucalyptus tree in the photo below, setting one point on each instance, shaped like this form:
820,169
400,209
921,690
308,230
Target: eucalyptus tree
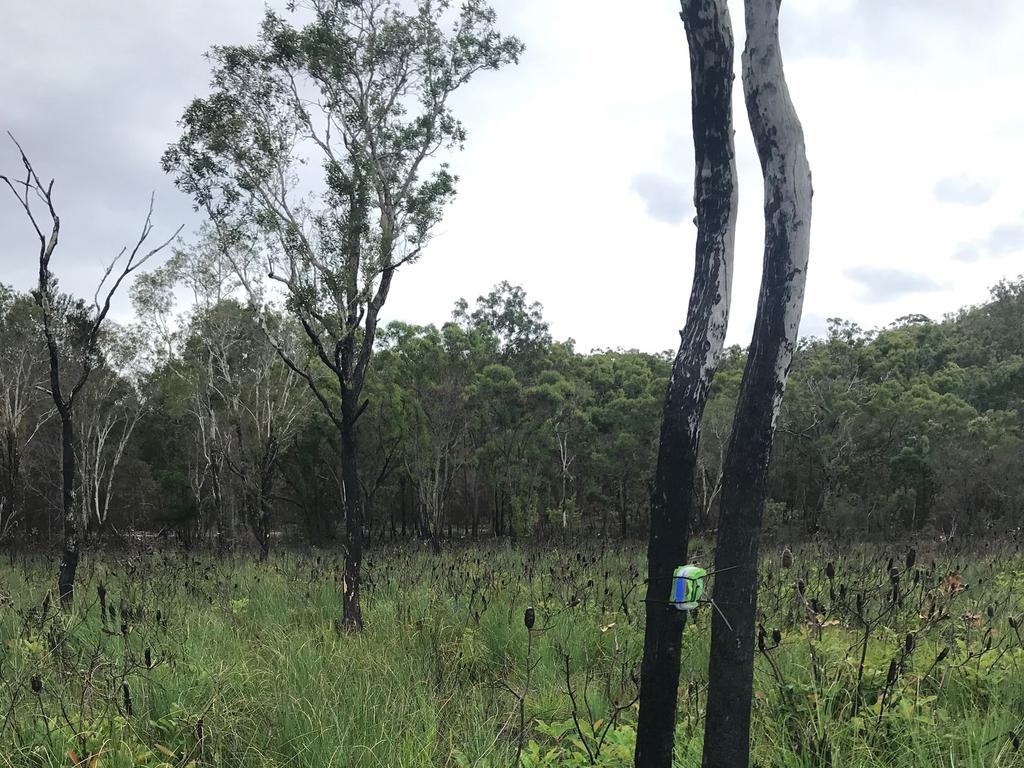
560,396
716,427
211,437
190,344
111,409
433,368
709,35
510,442
516,324
73,338
262,403
22,371
508,340
627,395
779,139
363,92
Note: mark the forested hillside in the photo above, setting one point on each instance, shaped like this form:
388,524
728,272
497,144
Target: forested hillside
483,426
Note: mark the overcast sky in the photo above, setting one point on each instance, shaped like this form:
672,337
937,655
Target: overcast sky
576,181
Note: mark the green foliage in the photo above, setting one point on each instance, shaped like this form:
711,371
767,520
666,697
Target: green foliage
237,663
484,425
917,421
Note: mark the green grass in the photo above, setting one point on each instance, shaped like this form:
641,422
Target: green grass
247,668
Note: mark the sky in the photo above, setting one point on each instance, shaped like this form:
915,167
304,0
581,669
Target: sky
576,179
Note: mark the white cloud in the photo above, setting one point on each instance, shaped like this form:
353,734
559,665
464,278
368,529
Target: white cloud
883,284
900,97
1003,240
666,200
963,190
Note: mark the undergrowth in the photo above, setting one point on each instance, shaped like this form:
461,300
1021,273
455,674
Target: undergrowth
865,658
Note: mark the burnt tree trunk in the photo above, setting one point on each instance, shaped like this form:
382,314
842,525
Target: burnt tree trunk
11,487
787,214
623,523
70,554
69,508
351,611
27,191
405,497
476,506
709,36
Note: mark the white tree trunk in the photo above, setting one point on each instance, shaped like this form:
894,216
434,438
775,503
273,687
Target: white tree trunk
779,139
709,35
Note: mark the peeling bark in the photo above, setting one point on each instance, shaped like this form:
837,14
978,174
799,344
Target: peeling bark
778,136
709,35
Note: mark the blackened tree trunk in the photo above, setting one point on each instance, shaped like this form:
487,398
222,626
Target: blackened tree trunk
44,296
260,528
623,522
84,346
351,611
69,508
405,508
787,213
709,35
10,484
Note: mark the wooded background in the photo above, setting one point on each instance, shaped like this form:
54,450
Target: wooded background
486,426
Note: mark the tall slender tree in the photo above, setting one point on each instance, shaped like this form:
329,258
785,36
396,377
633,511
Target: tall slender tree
365,89
709,35
111,408
73,353
779,139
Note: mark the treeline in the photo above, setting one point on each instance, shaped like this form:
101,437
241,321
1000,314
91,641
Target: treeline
193,426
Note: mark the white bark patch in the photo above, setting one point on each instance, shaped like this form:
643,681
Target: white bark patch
787,176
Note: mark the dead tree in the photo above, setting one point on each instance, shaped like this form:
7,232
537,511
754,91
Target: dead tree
79,358
709,35
779,138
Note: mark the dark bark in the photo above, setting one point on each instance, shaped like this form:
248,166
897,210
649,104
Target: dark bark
709,36
223,537
257,475
11,485
71,534
778,137
405,509
351,614
27,191
476,508
318,521
263,518
70,555
623,522
263,538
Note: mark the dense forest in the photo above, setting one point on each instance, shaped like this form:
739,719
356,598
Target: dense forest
485,426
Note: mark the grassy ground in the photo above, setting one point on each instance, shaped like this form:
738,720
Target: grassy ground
198,662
